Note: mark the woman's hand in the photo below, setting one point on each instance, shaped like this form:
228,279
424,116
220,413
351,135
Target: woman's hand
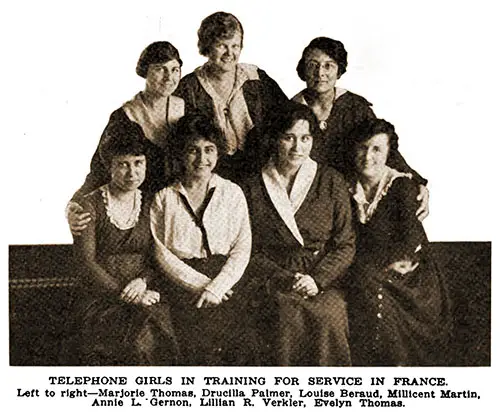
227,296
207,299
305,285
150,297
134,290
423,198
403,267
77,218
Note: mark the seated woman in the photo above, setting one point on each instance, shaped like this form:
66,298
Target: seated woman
123,320
238,97
339,111
203,241
156,111
398,307
303,243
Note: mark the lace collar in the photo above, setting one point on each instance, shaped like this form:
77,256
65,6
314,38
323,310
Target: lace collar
114,213
365,208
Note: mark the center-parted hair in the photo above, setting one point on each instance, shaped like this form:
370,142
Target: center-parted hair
283,120
191,128
157,52
219,25
122,140
333,48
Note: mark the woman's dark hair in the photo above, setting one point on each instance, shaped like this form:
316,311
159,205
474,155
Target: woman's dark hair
122,140
191,128
219,25
283,120
157,52
366,130
333,48
370,127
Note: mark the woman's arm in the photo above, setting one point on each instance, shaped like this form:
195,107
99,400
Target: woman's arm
173,267
85,250
241,247
341,247
410,234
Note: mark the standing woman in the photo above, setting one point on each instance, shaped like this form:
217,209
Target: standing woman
339,111
238,97
156,111
303,244
122,318
202,232
399,312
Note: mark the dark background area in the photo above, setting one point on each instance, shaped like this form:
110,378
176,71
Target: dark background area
43,286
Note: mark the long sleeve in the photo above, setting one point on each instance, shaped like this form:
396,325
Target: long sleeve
397,161
85,250
341,247
239,254
173,267
409,232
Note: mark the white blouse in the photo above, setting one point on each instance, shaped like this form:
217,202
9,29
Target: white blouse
177,236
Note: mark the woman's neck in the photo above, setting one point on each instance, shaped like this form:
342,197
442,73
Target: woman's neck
323,99
120,194
216,74
194,183
370,184
154,101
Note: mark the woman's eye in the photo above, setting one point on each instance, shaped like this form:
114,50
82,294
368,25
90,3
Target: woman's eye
306,138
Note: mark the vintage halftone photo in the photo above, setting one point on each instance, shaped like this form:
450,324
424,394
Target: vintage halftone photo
250,185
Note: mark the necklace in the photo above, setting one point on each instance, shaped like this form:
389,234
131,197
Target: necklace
323,124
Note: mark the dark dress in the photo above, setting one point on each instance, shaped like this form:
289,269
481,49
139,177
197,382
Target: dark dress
396,319
312,331
263,98
99,174
331,145
114,332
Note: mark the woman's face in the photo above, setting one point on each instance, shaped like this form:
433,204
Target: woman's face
128,172
371,156
162,78
295,144
224,54
201,158
321,71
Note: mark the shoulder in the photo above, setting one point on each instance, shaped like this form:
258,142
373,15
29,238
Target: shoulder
404,188
188,80
227,188
331,175
354,100
93,202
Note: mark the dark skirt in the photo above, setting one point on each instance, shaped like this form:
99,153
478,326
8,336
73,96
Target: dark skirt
398,320
115,333
220,336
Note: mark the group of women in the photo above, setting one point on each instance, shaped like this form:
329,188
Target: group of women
223,224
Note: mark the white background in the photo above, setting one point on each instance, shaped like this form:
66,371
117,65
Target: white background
429,67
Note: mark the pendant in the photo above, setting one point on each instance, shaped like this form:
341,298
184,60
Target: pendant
322,125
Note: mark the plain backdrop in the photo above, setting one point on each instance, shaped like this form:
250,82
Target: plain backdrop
429,67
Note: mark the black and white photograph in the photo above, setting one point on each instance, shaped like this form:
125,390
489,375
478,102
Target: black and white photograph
257,205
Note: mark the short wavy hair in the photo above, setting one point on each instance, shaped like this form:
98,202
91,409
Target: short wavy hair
122,140
157,52
220,25
283,120
333,48
191,128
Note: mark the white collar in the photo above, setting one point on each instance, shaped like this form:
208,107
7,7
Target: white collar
287,206
365,208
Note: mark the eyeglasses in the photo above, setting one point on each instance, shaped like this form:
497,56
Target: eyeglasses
328,66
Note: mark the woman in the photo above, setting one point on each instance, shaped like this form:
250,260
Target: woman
238,97
339,111
398,304
156,111
123,320
303,243
202,232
